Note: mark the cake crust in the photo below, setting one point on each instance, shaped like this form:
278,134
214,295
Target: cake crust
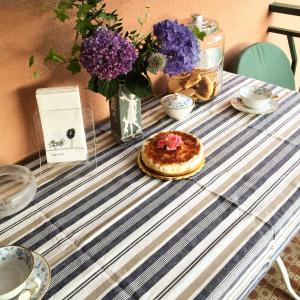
186,158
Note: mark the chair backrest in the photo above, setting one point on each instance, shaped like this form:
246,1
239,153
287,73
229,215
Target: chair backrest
266,62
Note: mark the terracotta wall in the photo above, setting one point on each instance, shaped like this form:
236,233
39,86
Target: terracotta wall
27,28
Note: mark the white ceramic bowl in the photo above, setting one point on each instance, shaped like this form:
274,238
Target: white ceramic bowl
256,97
177,106
16,265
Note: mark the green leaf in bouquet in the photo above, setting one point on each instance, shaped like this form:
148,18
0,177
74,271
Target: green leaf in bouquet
84,26
84,9
31,61
53,56
118,29
199,34
138,84
74,66
95,2
76,48
106,16
92,84
107,88
36,74
61,14
61,9
65,3
140,21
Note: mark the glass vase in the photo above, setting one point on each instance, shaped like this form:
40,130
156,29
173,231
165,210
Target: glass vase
125,115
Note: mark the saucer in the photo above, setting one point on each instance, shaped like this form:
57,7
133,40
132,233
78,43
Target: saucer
239,105
41,270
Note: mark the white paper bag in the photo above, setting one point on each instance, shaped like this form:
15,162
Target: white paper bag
62,123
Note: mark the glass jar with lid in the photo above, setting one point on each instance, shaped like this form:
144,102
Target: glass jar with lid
211,61
204,83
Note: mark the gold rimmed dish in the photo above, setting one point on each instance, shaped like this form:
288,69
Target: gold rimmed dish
238,104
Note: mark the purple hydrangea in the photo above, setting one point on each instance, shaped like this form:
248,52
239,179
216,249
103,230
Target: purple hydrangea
179,45
106,54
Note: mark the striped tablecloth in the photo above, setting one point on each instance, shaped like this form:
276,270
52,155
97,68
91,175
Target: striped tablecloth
115,233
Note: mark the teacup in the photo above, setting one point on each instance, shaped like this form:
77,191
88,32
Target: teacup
256,97
177,106
16,265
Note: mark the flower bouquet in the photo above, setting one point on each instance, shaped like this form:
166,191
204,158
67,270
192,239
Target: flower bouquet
119,61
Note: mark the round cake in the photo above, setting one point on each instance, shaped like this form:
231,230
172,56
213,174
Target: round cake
172,153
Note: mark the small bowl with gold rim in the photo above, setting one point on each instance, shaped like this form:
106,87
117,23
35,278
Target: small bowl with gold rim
177,106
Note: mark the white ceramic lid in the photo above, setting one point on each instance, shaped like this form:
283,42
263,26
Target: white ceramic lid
177,101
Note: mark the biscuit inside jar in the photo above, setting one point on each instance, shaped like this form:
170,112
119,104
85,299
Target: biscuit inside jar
200,84
205,88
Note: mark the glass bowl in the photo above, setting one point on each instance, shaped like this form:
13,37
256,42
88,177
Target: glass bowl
17,189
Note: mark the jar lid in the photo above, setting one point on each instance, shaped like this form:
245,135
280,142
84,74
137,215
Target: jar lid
177,101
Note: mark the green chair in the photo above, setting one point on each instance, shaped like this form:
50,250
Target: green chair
267,62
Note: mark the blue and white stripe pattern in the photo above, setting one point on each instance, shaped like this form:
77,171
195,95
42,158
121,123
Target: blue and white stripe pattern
115,233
